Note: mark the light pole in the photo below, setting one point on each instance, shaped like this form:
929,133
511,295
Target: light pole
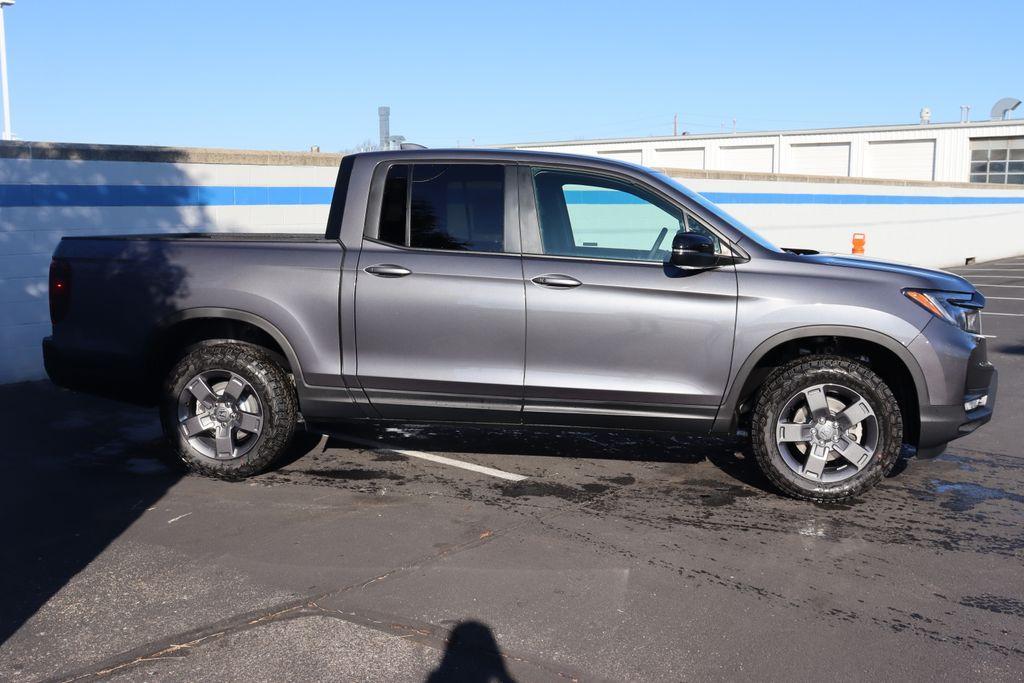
3,72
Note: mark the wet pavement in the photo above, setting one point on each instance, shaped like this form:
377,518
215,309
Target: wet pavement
622,556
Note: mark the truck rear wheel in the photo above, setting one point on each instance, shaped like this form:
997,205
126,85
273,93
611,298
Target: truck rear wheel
228,410
826,428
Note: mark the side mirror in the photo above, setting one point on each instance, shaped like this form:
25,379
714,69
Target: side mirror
693,251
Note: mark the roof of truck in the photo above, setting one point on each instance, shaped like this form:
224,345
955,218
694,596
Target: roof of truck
485,154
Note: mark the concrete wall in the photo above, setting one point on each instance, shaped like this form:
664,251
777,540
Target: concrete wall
934,226
48,190
935,152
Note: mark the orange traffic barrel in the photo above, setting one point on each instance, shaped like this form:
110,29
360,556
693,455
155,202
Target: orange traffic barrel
858,243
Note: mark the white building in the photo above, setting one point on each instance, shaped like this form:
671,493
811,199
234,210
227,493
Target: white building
980,152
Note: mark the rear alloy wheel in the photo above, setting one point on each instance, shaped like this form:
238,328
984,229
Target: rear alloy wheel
826,428
228,410
220,414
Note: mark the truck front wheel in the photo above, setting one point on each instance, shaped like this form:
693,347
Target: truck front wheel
826,428
228,410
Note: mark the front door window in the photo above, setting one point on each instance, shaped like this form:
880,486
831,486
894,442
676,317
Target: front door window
592,216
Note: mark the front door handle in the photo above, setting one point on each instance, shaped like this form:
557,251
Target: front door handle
387,270
557,281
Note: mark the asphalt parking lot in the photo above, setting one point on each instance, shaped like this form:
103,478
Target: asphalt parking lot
619,556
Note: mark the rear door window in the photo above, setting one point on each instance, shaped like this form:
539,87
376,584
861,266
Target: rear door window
458,207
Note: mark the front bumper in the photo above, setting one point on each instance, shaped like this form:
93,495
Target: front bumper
942,424
959,371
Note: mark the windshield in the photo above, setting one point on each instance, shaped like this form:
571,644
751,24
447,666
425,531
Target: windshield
717,211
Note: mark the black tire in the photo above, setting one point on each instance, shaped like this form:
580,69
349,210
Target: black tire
267,380
787,381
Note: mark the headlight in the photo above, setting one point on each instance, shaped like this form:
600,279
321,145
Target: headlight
962,310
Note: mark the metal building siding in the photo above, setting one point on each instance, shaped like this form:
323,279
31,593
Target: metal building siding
680,158
752,158
901,160
951,153
633,156
831,159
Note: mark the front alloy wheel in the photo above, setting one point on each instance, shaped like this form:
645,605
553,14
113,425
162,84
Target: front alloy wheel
826,427
827,433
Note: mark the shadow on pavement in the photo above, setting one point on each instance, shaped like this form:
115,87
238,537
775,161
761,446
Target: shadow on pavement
471,656
76,474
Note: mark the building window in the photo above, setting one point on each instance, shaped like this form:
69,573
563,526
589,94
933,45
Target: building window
997,161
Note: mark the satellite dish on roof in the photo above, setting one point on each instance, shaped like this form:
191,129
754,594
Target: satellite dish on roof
1001,109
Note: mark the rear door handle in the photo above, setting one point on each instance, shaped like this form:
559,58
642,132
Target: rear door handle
557,281
387,270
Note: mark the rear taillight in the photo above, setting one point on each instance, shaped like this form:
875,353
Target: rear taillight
60,289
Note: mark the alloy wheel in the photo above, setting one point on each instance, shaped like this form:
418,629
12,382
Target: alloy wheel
220,415
827,433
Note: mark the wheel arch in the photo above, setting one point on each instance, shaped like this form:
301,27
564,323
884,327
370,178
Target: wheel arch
194,325
893,358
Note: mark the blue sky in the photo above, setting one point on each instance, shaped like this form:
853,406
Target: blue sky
289,74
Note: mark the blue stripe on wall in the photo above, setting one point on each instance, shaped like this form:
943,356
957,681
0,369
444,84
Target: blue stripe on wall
225,195
777,198
607,197
159,195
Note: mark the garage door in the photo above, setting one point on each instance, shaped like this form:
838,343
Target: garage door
819,159
680,158
904,160
756,159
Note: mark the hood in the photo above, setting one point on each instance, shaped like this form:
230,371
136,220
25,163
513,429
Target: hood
924,278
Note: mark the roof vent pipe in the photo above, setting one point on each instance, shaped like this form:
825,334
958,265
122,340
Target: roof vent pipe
1001,109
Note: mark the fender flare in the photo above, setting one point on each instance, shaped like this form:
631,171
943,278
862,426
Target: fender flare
219,313
724,419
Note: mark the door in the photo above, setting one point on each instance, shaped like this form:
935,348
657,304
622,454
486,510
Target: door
616,335
440,302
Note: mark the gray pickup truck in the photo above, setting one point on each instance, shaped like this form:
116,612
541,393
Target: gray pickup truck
525,288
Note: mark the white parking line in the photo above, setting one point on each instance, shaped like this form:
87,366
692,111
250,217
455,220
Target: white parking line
472,467
1004,277
1010,286
1005,298
1014,315
993,270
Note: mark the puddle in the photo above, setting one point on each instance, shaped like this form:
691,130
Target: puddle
712,493
995,603
965,496
624,480
725,496
353,474
387,456
538,489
